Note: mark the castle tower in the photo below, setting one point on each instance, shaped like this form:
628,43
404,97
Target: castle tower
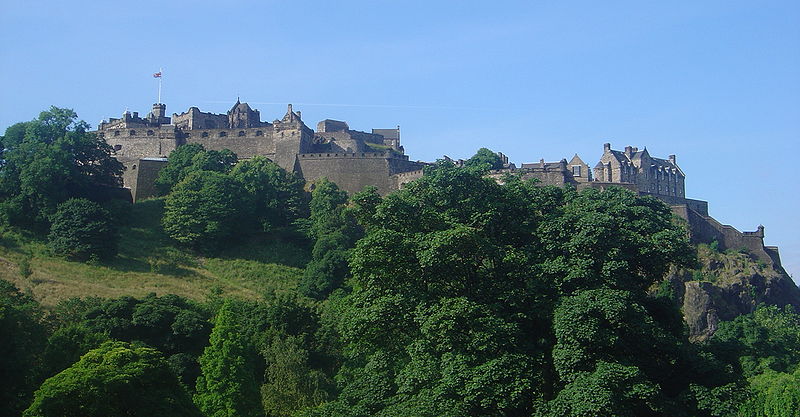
292,137
242,116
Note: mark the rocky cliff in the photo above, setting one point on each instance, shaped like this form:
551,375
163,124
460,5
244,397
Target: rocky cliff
726,285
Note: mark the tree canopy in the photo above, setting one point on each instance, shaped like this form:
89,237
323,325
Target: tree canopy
49,160
115,379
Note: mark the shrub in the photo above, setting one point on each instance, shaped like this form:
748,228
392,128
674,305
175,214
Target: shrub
82,230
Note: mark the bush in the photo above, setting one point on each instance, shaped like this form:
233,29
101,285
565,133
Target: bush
82,230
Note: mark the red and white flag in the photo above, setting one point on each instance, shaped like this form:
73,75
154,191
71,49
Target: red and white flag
157,75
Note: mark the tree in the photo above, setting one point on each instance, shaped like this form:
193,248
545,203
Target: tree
227,386
82,229
66,346
485,160
291,384
335,230
178,164
278,195
205,209
115,379
22,338
55,159
189,158
456,285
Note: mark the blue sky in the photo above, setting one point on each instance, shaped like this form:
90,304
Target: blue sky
715,82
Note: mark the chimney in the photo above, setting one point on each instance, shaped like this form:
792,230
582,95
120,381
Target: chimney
606,147
298,114
135,114
635,149
672,159
289,109
628,150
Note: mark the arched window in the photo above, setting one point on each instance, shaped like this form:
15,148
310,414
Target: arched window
132,133
204,134
117,147
134,167
223,134
150,133
259,133
116,133
241,133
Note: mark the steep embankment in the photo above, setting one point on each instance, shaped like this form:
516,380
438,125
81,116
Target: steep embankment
726,285
148,261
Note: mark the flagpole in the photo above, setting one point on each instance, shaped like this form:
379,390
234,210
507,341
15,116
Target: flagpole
160,74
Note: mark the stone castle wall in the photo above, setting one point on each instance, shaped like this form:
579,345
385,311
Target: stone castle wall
354,171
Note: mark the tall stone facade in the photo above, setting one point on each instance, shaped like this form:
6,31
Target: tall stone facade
352,159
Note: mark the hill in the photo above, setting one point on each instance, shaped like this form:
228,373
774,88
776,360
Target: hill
149,261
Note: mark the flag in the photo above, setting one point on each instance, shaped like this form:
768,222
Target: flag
157,75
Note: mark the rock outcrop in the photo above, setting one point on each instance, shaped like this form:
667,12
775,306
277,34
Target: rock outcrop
729,284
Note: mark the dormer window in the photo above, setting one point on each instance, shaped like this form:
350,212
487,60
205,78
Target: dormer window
576,171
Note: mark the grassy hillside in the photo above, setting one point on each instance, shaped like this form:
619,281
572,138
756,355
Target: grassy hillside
149,261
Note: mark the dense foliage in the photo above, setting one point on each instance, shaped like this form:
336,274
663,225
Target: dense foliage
455,296
82,229
49,160
205,209
113,380
484,159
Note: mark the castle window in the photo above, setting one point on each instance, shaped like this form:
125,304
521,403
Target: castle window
134,166
117,147
132,133
259,133
241,133
223,134
150,133
576,171
116,133
204,134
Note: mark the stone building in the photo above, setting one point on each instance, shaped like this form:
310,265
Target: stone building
351,158
354,159
651,175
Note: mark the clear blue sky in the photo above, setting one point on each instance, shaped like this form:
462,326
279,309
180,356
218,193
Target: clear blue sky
715,82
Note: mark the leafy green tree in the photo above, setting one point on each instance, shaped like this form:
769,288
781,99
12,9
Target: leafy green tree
291,384
66,346
365,203
227,386
456,284
766,340
484,159
277,195
55,159
82,229
113,380
22,338
776,394
205,209
189,158
174,325
178,166
334,227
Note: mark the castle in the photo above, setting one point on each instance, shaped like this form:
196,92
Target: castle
350,158
354,159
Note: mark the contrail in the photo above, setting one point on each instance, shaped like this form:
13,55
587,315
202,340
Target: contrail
385,106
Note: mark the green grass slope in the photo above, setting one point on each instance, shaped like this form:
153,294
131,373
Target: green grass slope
149,261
